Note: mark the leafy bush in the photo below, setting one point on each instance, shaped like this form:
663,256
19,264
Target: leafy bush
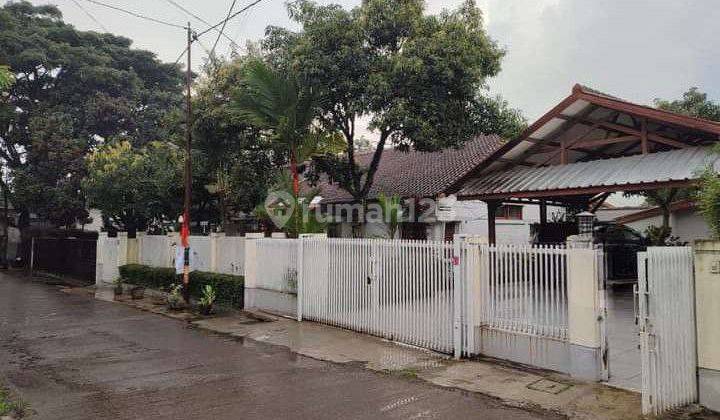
708,199
229,288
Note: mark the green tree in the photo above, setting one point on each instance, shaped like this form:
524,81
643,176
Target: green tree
270,100
73,90
392,210
135,186
235,157
6,78
708,197
301,218
695,104
414,76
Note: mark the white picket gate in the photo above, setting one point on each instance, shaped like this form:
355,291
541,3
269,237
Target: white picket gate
401,290
666,320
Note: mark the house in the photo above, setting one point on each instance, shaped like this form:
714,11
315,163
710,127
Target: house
425,179
685,221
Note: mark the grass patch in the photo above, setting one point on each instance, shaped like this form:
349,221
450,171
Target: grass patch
10,406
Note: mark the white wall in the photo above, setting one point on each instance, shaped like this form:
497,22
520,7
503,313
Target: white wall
688,225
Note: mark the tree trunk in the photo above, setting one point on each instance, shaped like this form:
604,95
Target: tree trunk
665,216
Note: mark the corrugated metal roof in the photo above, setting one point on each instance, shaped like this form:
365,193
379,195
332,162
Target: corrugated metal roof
674,165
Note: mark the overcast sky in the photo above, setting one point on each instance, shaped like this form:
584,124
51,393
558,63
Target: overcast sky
635,49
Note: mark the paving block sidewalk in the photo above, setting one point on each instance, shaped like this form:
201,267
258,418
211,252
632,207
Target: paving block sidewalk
515,386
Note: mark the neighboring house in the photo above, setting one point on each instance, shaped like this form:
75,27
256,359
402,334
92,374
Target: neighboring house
685,221
414,176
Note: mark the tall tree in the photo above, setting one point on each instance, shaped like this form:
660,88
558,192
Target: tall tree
235,157
135,186
73,91
270,100
415,76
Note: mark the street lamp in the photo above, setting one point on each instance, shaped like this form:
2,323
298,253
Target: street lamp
586,221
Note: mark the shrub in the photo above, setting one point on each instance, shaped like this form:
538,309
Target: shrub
708,199
229,288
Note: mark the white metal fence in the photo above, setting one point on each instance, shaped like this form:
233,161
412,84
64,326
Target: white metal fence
667,328
402,290
524,289
277,264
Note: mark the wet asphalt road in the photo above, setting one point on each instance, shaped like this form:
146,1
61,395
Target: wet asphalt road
72,357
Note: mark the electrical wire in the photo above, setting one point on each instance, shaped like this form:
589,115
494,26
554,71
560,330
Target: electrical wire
137,15
233,44
90,16
228,18
222,29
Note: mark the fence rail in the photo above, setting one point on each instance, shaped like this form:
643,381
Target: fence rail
402,290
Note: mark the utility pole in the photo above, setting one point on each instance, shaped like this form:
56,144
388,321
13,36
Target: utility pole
188,168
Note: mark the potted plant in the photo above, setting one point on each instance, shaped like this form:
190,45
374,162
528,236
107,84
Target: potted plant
207,299
175,300
118,286
137,292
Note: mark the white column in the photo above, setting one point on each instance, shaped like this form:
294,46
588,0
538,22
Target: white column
122,248
707,310
214,249
585,309
172,238
139,237
99,252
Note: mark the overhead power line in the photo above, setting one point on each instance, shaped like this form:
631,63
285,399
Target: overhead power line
228,18
222,29
137,15
90,16
190,13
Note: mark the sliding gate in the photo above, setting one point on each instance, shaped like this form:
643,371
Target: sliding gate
667,328
401,290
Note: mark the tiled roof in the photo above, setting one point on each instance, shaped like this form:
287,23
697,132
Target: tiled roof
418,174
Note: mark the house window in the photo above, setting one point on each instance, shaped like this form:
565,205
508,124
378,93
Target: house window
509,212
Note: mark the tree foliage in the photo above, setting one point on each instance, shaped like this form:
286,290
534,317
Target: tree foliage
235,157
135,186
72,91
415,76
693,103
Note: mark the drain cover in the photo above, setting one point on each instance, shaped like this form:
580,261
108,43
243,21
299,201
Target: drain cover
548,386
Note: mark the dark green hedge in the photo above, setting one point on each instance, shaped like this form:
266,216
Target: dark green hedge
230,289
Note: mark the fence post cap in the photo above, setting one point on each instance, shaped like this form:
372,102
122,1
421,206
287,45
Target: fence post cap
579,241
122,234
102,234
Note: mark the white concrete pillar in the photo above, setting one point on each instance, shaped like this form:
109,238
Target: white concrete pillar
585,309
99,253
122,248
139,238
214,249
251,263
707,313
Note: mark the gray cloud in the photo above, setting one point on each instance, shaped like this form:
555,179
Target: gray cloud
638,50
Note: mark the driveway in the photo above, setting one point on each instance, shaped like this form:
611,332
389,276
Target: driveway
70,356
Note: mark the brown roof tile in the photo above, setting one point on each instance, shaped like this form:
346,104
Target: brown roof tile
418,174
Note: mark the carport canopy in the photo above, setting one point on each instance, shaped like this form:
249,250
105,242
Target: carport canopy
588,146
